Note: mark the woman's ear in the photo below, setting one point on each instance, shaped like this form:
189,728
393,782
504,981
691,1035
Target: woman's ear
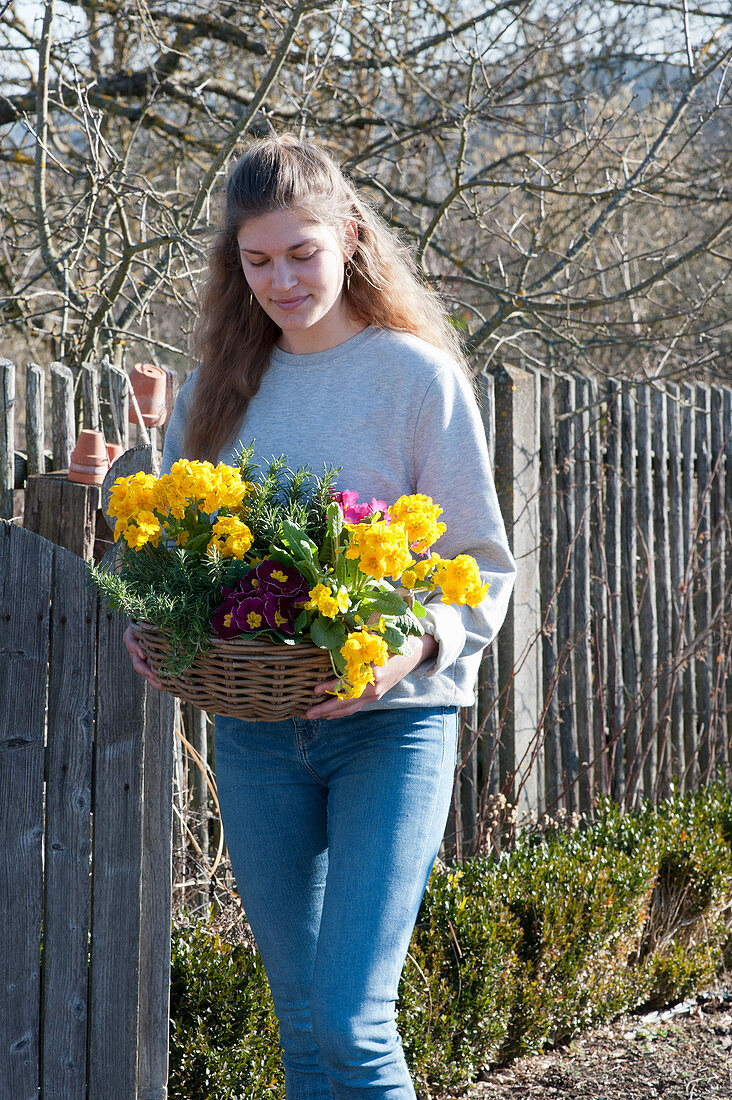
351,238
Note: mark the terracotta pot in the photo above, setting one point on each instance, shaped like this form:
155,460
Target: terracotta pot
89,459
114,450
149,384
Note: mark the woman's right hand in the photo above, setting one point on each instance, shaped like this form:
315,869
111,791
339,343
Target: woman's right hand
138,659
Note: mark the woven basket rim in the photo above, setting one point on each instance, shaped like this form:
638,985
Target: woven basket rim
266,645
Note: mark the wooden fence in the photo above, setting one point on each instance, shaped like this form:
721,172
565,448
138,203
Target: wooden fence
612,674
85,840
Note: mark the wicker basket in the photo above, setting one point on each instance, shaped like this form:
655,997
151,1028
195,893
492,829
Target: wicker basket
243,678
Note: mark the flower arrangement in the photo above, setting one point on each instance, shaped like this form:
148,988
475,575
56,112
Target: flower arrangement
235,551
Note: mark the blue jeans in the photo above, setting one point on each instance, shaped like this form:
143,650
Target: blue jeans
332,827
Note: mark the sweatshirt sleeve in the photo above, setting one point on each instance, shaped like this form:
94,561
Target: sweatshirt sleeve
451,465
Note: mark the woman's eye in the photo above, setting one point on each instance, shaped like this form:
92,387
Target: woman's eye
301,258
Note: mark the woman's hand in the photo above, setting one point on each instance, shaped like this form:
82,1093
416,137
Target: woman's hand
385,678
138,659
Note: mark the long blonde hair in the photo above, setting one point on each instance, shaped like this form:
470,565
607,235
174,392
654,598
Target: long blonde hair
234,337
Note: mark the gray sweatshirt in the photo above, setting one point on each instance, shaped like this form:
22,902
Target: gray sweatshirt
398,416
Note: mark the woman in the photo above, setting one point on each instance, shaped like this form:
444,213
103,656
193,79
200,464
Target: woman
318,340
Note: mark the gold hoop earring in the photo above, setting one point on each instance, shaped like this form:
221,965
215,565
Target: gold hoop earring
349,272
250,299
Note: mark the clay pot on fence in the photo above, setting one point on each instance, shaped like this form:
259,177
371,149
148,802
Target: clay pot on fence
114,450
149,384
89,458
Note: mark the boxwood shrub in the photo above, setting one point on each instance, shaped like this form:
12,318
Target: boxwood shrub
510,954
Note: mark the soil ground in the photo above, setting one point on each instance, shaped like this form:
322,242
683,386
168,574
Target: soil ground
684,1053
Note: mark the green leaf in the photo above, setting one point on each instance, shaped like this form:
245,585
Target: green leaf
388,603
297,543
396,641
418,609
335,521
327,633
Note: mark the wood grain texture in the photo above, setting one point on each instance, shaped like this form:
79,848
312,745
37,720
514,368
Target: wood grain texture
565,394
662,539
613,558
25,590
116,857
582,623
676,569
155,896
62,511
63,427
71,707
35,389
703,586
647,609
548,572
688,512
7,437
631,629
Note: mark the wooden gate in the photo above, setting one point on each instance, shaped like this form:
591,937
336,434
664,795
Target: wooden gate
85,840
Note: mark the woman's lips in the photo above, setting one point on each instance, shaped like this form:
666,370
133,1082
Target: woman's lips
289,303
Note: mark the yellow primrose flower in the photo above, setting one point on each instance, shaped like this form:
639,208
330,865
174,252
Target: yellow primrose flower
231,537
382,549
418,515
323,599
460,581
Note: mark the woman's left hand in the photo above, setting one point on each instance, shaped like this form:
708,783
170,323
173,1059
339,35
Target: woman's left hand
385,677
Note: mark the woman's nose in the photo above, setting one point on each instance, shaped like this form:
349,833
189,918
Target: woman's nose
283,276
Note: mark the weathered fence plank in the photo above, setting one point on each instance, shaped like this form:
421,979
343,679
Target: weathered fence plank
688,511
703,588
613,557
7,437
631,627
63,511
35,389
91,412
647,614
599,593
25,588
62,415
155,895
548,568
71,703
517,483
487,718
564,391
582,612
114,948
716,595
727,430
662,540
677,580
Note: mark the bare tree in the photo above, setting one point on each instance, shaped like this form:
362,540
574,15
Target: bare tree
562,169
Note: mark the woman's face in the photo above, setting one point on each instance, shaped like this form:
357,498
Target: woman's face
294,267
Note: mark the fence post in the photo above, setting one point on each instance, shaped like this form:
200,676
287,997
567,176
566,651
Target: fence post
614,558
548,565
647,611
518,473
63,421
35,389
7,437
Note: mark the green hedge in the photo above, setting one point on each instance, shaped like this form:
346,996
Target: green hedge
509,954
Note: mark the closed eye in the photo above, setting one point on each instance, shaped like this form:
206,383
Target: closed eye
301,258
